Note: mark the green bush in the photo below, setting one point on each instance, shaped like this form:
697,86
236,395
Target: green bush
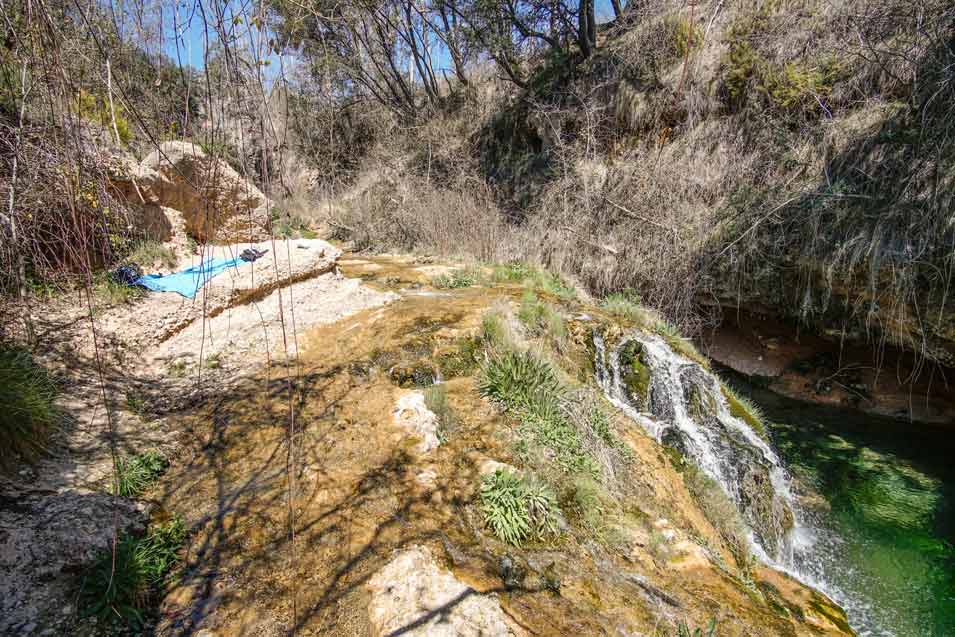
516,508
96,109
123,592
685,36
137,473
28,413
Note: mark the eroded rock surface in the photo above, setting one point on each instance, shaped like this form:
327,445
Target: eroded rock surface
415,597
45,540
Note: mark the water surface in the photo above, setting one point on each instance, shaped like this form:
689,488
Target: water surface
883,537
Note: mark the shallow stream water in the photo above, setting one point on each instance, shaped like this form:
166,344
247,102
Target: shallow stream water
884,542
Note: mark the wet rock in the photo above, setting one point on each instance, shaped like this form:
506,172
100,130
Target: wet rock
412,415
72,528
414,597
512,573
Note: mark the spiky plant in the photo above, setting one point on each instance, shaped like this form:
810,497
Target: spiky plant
136,473
122,591
28,413
515,508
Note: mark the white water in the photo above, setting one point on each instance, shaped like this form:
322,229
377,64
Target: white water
807,550
715,447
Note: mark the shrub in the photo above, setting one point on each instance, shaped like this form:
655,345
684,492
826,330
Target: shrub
135,474
29,415
516,508
125,591
685,36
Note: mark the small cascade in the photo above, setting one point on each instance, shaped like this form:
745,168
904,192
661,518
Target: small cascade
680,404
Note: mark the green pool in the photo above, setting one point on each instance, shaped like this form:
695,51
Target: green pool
882,543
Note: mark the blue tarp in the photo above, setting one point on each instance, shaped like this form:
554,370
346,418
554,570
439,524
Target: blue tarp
189,281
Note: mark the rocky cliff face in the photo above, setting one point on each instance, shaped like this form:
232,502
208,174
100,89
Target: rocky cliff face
212,202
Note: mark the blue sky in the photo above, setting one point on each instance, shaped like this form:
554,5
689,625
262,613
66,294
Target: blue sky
193,37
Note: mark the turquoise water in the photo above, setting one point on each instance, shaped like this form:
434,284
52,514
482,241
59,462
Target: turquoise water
884,548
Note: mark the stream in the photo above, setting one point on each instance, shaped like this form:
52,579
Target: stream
884,548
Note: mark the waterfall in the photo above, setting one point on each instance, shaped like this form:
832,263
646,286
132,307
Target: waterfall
682,405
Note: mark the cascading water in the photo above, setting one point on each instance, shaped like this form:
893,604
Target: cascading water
687,410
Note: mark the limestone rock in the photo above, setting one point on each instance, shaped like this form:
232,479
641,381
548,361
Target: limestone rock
413,596
217,203
72,528
413,415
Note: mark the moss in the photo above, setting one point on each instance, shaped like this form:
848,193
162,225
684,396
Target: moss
701,403
636,374
461,359
831,612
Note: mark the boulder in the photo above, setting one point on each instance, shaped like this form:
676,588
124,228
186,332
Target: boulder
217,204
412,414
413,596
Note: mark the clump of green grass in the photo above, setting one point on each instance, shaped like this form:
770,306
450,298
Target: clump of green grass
460,278
520,382
178,368
136,473
518,508
109,292
150,253
122,593
436,400
527,387
680,344
746,410
532,277
627,305
494,330
213,361
29,415
541,318
683,630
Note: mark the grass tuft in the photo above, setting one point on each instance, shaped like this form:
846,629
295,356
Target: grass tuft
516,508
746,410
151,253
541,318
124,592
137,473
109,292
29,415
436,400
532,277
461,278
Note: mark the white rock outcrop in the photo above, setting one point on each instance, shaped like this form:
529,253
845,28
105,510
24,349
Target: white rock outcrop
412,414
415,597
